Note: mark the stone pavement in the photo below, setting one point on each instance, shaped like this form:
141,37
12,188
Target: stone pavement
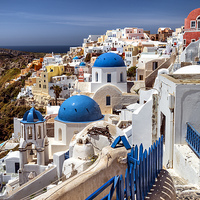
184,190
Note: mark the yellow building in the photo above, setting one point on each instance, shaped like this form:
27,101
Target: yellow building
54,70
132,48
41,88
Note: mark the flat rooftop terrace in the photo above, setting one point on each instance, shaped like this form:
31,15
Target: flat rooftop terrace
183,78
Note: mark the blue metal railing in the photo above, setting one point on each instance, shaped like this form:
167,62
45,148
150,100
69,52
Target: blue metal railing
117,183
142,170
193,139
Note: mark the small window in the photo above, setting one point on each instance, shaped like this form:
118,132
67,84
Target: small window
193,24
96,77
193,40
44,86
155,65
107,100
60,134
184,41
44,80
51,70
39,85
121,77
29,130
108,78
44,76
141,77
39,132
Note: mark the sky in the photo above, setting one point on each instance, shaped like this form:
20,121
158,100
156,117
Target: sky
67,22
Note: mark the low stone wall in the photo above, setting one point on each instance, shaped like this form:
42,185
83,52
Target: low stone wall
34,185
82,185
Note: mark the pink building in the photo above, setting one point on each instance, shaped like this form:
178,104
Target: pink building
133,33
192,27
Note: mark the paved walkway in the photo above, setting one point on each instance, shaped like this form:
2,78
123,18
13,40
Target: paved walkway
184,190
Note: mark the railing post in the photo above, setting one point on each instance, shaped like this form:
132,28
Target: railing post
137,180
145,173
127,183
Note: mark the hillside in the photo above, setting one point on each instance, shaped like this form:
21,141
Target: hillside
11,63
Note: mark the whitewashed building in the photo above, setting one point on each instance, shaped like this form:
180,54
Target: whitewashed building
166,110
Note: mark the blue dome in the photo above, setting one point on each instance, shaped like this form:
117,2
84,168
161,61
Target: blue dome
76,57
79,108
109,60
82,64
32,116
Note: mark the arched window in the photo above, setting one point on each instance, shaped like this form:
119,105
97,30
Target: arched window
30,133
39,132
96,75
198,23
107,100
121,77
60,134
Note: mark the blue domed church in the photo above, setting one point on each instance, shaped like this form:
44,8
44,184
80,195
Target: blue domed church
109,83
109,68
33,142
74,114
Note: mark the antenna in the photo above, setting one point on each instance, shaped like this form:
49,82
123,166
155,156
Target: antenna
32,104
79,91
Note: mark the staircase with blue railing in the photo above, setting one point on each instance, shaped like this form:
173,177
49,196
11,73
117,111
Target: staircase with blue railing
142,170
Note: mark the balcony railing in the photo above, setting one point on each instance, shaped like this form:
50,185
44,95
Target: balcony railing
192,30
193,139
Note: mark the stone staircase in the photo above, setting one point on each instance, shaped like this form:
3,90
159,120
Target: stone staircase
184,190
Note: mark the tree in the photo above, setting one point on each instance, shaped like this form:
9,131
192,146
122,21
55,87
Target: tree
131,71
57,90
88,57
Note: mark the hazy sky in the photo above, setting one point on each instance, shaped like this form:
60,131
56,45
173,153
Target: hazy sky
67,22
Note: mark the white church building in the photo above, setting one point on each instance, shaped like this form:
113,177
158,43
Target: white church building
109,83
74,114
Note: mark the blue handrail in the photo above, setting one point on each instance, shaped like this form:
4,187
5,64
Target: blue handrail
193,139
142,170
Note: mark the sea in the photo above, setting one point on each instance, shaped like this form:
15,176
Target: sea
41,49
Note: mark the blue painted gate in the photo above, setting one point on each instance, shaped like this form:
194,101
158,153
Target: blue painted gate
142,170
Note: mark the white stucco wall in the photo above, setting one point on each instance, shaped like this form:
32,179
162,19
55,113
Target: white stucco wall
58,159
166,87
13,157
17,127
142,125
68,131
145,95
188,110
188,162
115,77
